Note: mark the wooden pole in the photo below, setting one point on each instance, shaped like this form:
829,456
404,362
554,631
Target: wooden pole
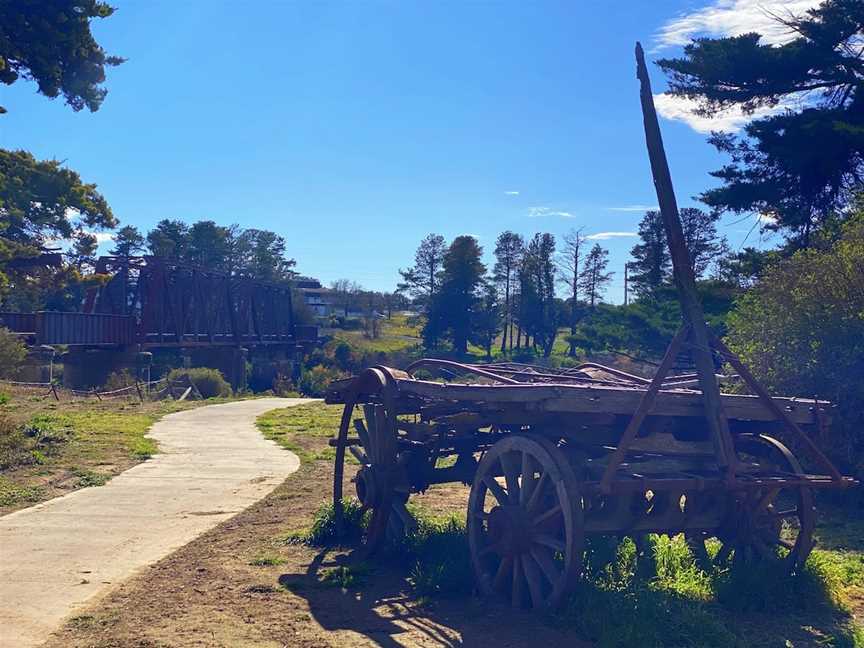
644,408
682,271
776,410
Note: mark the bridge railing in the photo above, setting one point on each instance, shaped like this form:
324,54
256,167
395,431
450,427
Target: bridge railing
85,328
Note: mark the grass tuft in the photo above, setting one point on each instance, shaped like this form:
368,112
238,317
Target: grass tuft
266,560
346,576
323,531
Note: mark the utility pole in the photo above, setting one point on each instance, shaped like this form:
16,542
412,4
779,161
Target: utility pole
626,267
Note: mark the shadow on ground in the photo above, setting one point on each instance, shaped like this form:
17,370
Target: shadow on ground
381,606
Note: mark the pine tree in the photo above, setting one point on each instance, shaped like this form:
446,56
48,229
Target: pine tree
454,305
538,312
509,249
594,278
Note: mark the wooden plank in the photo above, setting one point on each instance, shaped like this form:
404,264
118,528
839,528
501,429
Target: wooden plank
604,400
765,397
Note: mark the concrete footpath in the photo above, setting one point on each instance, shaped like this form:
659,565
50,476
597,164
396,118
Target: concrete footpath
55,556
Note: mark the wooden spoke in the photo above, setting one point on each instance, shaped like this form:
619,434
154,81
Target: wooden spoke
786,544
501,574
358,454
528,482
362,432
549,541
537,494
548,515
543,558
533,578
511,468
496,489
518,579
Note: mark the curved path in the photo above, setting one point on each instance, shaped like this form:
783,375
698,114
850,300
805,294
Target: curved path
212,463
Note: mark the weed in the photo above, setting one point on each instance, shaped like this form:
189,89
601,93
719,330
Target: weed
346,576
144,448
323,532
266,560
87,478
12,494
438,552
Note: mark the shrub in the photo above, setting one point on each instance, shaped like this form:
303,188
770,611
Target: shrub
314,381
12,352
323,532
210,383
119,380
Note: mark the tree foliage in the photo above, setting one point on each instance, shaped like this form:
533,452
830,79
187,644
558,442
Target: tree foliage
42,204
509,249
801,328
651,266
594,278
128,242
796,166
538,312
50,43
421,281
454,306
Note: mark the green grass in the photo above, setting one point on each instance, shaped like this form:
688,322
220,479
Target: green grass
46,445
346,577
665,601
396,334
302,428
266,560
12,494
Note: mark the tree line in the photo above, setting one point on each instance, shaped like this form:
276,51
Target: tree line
518,302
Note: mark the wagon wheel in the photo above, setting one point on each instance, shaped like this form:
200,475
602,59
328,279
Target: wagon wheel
525,528
767,524
377,483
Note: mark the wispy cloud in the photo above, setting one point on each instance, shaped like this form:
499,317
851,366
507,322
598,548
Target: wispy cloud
733,18
542,212
729,121
605,236
511,193
633,208
102,237
726,18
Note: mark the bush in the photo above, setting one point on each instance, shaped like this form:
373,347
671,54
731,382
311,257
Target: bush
800,330
314,381
12,352
210,383
119,380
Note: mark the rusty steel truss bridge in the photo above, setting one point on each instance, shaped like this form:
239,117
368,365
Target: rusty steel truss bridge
156,302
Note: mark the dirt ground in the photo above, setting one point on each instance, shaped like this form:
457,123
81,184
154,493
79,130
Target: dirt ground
208,594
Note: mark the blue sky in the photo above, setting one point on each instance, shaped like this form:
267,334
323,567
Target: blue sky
355,128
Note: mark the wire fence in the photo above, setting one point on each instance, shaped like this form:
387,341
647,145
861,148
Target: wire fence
139,391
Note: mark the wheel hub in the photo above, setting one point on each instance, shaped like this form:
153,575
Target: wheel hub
368,485
510,528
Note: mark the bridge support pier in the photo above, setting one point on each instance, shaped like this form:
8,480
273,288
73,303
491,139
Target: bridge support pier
231,361
270,363
84,367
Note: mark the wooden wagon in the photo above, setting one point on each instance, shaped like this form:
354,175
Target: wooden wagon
540,449
554,457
